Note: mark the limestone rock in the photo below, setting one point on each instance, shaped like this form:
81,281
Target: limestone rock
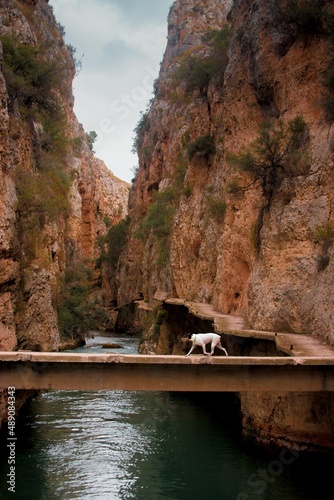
34,253
271,74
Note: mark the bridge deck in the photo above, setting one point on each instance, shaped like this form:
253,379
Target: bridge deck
70,371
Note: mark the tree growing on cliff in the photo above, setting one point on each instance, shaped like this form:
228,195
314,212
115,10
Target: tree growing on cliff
91,138
279,152
276,154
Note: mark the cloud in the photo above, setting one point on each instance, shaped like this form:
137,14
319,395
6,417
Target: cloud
140,10
121,55
122,43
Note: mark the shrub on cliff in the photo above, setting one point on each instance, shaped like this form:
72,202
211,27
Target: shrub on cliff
277,153
203,147
30,77
77,311
158,222
216,208
324,236
112,244
198,71
91,138
34,82
159,218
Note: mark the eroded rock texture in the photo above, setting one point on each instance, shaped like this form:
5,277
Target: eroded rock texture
33,255
222,244
206,230
56,198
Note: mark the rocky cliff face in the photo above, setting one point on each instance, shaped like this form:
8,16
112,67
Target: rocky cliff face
222,242
56,198
232,203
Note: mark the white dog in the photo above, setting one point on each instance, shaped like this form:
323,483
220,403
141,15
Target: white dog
202,339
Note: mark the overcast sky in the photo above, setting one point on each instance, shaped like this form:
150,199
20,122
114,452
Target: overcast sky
121,44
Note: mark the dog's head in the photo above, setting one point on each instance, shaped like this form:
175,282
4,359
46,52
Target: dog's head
186,337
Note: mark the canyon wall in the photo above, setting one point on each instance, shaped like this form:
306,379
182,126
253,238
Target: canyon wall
223,241
232,202
56,198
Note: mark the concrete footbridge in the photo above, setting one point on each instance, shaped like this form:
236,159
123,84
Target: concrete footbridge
196,373
303,363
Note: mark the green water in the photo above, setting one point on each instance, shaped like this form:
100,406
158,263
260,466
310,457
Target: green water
140,445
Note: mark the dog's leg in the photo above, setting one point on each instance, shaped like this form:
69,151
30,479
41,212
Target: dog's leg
213,345
204,349
191,349
222,348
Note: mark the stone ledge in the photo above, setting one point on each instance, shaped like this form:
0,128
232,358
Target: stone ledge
140,359
292,344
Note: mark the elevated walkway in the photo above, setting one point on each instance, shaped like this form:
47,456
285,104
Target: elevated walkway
292,344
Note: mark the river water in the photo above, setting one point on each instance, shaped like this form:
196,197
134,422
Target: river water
152,446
